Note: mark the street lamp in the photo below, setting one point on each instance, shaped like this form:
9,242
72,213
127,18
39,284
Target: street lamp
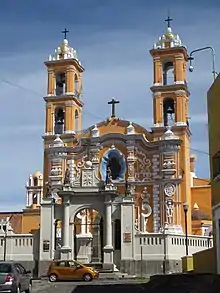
165,228
190,59
185,208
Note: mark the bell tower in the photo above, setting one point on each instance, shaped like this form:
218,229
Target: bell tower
170,102
63,100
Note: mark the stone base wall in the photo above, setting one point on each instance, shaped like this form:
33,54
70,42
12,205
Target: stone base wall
43,267
149,268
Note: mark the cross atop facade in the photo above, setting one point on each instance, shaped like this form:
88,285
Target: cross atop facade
65,33
168,20
113,102
87,144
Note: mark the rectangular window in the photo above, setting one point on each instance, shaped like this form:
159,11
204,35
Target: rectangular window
216,164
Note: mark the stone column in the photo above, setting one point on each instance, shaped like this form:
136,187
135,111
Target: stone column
65,249
108,225
108,249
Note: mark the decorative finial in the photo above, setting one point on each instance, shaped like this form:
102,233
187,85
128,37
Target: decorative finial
65,32
168,20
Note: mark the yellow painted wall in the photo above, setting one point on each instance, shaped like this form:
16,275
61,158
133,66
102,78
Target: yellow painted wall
204,261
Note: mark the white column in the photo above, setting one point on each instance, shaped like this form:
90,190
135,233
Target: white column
66,216
108,225
30,198
38,197
27,198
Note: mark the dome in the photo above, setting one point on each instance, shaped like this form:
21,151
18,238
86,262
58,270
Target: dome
169,39
64,51
37,174
200,215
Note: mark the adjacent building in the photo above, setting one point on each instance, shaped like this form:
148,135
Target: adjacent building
214,152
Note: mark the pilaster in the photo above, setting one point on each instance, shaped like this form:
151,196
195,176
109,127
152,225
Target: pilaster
49,119
51,83
70,80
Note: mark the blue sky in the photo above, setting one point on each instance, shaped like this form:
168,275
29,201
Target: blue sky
112,39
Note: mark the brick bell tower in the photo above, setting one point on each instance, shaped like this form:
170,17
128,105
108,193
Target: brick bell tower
170,103
63,101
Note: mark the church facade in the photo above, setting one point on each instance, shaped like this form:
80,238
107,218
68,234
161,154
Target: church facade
116,186
113,194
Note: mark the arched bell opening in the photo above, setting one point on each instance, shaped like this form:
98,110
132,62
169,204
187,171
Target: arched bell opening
169,112
59,121
60,83
168,73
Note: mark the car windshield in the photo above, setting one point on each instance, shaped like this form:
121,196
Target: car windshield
5,268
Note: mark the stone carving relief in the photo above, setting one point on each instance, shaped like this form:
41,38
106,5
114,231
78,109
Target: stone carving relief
169,164
146,208
143,166
169,189
169,210
131,163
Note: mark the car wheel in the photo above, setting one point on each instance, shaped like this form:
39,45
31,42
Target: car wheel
87,277
29,289
53,278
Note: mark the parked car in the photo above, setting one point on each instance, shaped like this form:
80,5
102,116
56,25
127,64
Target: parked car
14,278
70,270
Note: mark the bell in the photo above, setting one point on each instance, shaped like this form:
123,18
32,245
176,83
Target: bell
169,110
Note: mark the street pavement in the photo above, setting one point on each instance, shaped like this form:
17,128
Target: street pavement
73,287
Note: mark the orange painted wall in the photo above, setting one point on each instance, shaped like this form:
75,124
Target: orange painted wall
202,196
30,221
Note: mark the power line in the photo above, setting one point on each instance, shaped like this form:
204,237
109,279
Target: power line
85,112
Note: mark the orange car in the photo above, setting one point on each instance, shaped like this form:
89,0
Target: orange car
70,270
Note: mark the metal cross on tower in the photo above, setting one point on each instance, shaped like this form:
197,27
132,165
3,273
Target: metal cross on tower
65,33
113,102
168,20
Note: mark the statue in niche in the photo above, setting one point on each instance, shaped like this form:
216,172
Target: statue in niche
115,167
67,176
169,208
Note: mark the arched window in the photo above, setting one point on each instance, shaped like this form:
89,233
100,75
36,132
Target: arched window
76,84
113,161
168,112
60,84
117,234
59,121
35,181
76,121
35,198
168,73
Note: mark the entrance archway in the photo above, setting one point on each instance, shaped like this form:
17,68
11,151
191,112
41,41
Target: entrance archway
88,236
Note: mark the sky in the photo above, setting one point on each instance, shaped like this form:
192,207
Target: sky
113,39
